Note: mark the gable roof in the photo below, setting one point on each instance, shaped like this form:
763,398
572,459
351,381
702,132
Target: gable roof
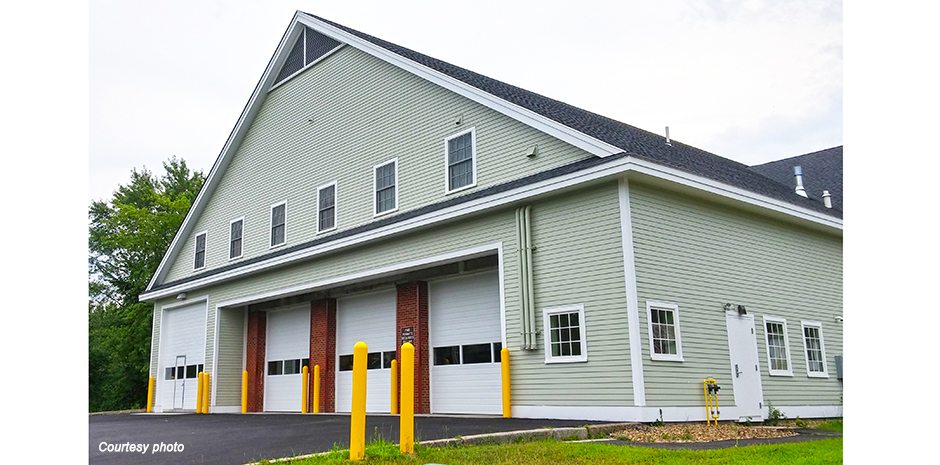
599,135
822,170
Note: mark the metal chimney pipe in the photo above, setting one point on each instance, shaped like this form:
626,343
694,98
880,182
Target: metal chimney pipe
668,141
798,174
827,199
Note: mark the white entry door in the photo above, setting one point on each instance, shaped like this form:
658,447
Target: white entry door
182,353
465,345
287,352
369,318
745,372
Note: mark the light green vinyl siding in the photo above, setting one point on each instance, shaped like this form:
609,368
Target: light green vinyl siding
578,260
334,122
700,256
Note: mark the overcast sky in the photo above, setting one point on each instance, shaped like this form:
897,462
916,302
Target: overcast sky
752,81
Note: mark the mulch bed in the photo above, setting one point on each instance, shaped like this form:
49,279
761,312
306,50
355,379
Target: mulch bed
699,432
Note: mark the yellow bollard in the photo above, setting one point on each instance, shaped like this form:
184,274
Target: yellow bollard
304,389
150,394
406,421
357,423
205,393
394,388
504,362
199,389
245,391
316,389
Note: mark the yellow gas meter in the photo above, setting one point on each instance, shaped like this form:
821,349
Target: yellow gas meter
711,388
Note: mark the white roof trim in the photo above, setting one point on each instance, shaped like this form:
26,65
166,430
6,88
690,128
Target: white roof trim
605,170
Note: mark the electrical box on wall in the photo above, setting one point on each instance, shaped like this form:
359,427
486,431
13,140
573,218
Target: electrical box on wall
839,367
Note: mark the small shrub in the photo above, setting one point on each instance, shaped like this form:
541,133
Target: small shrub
800,423
774,415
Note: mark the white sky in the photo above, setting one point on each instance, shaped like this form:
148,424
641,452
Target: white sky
749,80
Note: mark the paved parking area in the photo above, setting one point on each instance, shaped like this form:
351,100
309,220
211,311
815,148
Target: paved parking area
232,439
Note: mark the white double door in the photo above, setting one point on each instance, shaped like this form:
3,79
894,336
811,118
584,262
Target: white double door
369,318
287,351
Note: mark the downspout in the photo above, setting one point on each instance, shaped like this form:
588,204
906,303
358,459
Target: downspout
526,288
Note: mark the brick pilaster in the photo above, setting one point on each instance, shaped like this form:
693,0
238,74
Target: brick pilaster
254,359
323,351
412,312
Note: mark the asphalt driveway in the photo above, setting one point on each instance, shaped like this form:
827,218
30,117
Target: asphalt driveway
232,439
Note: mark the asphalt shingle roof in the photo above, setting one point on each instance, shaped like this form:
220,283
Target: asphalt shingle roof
822,170
635,141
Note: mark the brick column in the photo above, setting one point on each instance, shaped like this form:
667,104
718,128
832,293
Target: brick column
254,359
323,351
412,312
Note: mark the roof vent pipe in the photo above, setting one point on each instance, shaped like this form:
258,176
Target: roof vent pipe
827,199
668,140
798,174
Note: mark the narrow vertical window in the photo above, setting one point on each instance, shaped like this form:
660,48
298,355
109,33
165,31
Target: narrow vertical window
665,337
235,238
278,224
461,160
326,207
386,187
815,350
778,347
199,257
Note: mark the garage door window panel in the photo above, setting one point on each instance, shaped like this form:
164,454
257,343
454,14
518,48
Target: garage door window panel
477,353
275,367
449,355
565,341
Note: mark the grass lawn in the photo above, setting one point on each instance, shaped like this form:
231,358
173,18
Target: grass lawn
831,425
825,451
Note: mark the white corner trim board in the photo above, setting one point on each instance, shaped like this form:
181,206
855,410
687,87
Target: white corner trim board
633,311
605,170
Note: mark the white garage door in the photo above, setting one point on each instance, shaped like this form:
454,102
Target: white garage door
182,355
369,318
287,350
465,340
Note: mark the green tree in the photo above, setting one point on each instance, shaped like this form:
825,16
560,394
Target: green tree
127,237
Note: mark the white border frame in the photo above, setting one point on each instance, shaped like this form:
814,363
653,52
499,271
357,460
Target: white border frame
375,188
229,251
674,307
335,207
822,348
271,224
473,160
786,341
546,332
205,250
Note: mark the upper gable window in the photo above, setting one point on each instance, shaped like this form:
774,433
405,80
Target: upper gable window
199,255
310,47
235,232
278,224
386,187
326,208
460,156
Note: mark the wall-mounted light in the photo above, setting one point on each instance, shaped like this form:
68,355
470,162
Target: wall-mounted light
181,296
729,307
838,318
458,119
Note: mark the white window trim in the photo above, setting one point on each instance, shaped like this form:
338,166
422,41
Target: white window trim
473,160
335,205
205,256
786,343
229,251
650,305
546,332
822,348
375,188
271,224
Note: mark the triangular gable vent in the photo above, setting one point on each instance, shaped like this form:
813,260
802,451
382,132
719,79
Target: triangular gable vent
310,46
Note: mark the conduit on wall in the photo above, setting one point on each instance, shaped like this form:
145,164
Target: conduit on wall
526,287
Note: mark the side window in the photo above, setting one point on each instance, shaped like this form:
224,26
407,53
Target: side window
460,159
778,346
565,339
386,187
665,337
278,224
326,208
815,350
236,229
199,257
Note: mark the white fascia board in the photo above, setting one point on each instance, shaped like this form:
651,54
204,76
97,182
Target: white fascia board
523,115
594,173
